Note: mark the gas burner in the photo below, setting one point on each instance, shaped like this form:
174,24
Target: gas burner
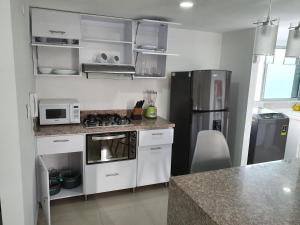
105,120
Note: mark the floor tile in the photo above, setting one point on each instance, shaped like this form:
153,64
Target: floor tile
146,206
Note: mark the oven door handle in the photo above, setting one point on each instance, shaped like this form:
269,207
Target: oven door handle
108,137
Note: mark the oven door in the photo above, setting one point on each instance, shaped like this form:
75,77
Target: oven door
109,147
54,114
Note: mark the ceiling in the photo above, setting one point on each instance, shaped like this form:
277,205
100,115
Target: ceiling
206,15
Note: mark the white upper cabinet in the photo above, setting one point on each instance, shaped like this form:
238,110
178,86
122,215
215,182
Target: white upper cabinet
55,24
70,44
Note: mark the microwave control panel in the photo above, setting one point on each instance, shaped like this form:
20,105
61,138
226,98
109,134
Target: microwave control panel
75,113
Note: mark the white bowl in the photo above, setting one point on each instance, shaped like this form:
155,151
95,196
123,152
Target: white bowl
45,70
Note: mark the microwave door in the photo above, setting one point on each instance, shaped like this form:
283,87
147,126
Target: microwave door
54,115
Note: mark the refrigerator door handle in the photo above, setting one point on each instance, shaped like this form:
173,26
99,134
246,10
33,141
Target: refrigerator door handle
205,111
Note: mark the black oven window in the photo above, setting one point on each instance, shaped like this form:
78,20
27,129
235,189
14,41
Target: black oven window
110,147
56,113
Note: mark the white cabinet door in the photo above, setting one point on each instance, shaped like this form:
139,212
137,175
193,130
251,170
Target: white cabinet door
60,144
292,147
55,24
156,137
110,176
154,164
44,189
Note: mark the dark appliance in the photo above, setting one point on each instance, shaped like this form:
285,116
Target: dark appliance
268,136
109,147
199,101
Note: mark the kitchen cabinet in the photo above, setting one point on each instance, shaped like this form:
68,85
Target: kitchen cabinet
44,189
55,24
68,41
60,144
292,148
154,156
110,176
58,60
150,48
156,137
55,43
59,152
107,36
154,164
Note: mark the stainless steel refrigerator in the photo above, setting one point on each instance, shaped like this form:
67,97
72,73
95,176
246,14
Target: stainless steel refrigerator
199,101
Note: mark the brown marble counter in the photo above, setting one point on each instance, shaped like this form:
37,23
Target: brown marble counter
261,194
158,123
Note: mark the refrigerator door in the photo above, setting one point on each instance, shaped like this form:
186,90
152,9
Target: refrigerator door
210,89
207,121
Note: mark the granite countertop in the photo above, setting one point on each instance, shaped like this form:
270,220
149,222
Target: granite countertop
158,123
261,194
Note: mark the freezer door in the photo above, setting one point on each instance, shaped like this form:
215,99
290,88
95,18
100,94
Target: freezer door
210,89
207,121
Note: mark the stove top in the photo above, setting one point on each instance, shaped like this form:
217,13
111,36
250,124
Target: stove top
105,120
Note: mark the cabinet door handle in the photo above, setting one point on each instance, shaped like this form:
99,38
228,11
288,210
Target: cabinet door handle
155,148
112,137
57,32
112,175
154,134
63,140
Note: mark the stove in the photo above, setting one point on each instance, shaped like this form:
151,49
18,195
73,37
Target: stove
105,120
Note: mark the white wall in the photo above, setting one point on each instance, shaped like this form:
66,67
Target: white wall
24,84
11,188
237,48
198,50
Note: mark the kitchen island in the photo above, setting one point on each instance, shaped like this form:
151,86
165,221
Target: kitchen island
260,194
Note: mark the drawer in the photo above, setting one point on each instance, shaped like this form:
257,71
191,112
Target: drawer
110,176
60,144
156,137
154,164
55,24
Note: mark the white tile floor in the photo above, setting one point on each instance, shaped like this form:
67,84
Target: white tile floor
147,206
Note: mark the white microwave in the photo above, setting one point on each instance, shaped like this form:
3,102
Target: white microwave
59,111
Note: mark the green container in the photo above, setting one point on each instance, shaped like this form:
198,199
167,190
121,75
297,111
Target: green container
151,112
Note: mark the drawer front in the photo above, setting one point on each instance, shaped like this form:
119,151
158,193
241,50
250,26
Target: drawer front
156,137
60,144
110,176
55,24
154,164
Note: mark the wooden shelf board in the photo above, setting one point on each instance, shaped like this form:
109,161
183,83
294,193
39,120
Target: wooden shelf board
55,45
106,41
67,193
57,75
108,64
147,77
151,52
